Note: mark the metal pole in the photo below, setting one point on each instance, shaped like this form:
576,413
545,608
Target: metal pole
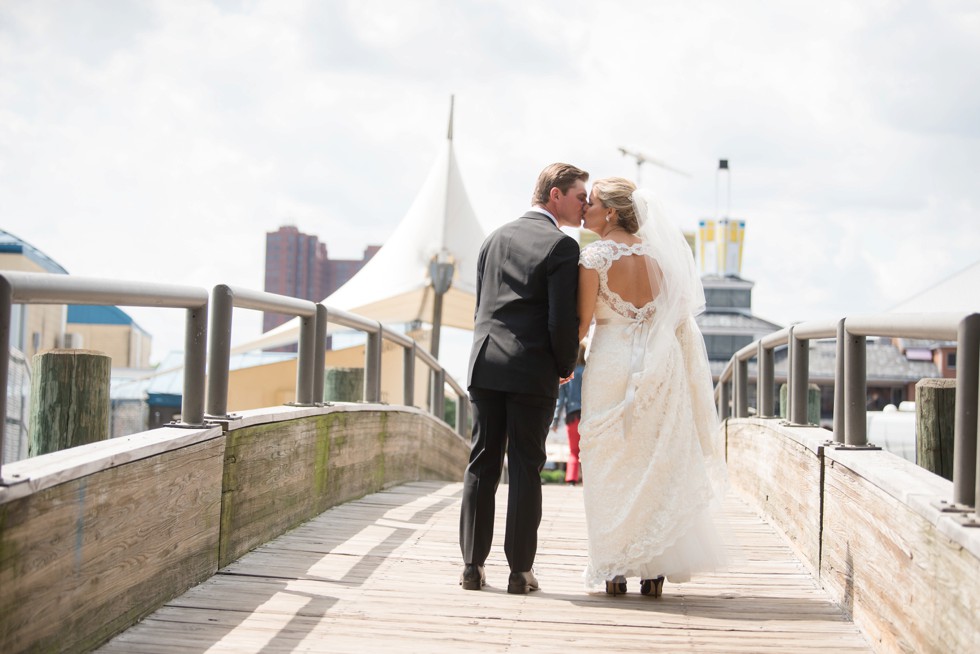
800,382
219,357
724,410
305,359
855,389
195,366
765,381
839,401
976,490
462,414
735,388
439,393
436,323
6,299
372,366
408,376
965,448
790,355
319,352
741,388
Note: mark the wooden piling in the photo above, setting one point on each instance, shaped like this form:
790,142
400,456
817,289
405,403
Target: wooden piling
812,403
935,404
343,385
69,399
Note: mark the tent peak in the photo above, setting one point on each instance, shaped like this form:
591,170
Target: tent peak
452,99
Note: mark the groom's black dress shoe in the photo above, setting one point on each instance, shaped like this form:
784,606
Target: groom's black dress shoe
521,583
474,577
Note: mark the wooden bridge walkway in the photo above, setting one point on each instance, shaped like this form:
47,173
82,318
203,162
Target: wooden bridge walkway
380,575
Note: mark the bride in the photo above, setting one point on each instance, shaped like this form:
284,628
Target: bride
653,468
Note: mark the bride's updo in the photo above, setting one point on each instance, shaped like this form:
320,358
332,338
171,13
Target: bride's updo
617,193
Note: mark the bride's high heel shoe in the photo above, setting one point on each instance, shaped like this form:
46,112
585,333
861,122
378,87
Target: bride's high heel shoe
617,586
653,587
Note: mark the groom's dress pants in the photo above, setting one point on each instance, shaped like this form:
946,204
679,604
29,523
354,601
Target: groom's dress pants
517,423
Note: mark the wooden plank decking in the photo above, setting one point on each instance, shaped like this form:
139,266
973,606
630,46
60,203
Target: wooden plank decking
380,575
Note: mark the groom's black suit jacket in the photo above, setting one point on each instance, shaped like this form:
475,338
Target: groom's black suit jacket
526,332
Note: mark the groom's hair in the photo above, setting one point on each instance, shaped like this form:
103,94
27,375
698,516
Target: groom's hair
558,175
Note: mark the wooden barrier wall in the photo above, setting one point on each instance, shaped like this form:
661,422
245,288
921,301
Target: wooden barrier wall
783,476
104,534
284,468
906,572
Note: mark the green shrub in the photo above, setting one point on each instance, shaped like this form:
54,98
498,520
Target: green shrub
553,476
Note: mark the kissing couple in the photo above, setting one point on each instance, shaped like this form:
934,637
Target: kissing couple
653,469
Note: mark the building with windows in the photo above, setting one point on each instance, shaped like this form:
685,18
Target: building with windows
297,265
33,327
36,328
727,322
39,327
111,330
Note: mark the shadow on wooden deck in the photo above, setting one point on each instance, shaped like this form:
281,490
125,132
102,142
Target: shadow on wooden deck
380,574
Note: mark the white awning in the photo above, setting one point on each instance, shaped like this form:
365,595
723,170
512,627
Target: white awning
394,286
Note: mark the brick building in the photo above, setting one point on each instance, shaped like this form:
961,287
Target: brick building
297,265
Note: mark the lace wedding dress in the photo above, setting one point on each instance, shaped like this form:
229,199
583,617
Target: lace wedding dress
652,470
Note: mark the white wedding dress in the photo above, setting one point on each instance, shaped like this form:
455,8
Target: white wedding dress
652,469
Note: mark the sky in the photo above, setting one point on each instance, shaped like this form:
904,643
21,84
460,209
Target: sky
160,140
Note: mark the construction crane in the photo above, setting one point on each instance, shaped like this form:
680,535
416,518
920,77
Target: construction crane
642,158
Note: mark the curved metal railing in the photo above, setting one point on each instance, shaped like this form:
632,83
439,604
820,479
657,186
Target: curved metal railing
851,384
47,288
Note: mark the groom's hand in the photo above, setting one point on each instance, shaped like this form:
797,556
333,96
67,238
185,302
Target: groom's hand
565,380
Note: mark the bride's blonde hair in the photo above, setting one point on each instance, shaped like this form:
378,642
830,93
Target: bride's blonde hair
617,193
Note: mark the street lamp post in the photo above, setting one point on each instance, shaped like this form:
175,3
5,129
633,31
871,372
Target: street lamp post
441,269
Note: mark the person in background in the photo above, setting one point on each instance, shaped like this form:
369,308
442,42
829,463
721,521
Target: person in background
570,405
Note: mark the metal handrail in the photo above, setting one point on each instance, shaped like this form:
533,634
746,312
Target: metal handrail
224,300
202,357
48,288
850,379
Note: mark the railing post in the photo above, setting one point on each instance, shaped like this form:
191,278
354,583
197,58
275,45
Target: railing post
966,463
439,393
764,382
6,300
799,386
305,359
741,372
790,353
724,410
855,389
219,351
408,375
319,352
462,414
735,385
839,401
976,490
372,366
195,366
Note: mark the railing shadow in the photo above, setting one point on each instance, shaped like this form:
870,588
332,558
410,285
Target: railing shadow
293,571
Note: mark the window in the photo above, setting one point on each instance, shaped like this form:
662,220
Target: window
727,298
723,346
951,360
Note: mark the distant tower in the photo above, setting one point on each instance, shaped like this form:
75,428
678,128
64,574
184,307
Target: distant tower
720,240
297,265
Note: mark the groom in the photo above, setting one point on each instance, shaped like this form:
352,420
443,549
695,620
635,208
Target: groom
524,342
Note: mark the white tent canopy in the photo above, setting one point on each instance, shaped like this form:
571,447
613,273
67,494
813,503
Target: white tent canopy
394,286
